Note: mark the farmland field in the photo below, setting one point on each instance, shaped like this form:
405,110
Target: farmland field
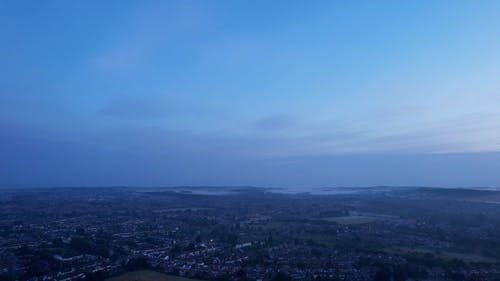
351,219
446,255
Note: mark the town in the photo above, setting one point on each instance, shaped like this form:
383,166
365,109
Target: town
250,234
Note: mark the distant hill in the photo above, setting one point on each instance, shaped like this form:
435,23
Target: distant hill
458,192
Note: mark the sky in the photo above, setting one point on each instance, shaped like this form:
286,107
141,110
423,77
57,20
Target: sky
268,93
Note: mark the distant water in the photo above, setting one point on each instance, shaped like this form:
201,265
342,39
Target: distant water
339,190
226,190
213,190
317,190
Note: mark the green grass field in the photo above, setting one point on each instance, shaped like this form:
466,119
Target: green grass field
183,210
446,255
148,275
351,219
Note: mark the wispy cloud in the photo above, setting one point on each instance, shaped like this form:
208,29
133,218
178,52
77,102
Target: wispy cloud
275,122
468,133
118,59
156,28
141,109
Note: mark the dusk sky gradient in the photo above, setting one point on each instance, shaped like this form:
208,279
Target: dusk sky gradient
267,93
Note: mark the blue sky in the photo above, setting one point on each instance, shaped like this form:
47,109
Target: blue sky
288,93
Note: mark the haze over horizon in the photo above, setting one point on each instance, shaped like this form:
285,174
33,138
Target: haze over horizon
262,93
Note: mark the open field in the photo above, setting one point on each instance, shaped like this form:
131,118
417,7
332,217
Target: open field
446,255
148,275
351,219
466,257
183,210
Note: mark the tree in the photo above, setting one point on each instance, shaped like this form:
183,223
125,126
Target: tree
198,239
80,244
95,276
80,231
400,274
281,276
137,263
382,276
